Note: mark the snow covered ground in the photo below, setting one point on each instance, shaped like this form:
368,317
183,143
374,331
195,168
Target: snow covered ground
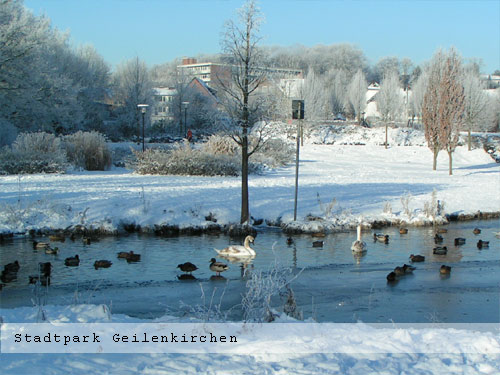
468,351
362,179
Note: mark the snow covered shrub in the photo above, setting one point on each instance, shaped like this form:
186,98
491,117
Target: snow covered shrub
326,208
387,208
261,287
184,160
33,153
405,202
88,150
220,145
433,208
274,153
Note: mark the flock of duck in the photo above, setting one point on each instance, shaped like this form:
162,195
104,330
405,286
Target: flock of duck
437,250
239,253
9,273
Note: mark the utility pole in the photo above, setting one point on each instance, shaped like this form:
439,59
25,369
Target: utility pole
298,114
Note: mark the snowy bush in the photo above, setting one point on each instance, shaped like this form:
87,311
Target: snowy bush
183,160
261,287
433,208
220,145
88,150
274,153
33,153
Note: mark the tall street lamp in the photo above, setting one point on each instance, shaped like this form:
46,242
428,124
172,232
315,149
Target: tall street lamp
185,105
143,108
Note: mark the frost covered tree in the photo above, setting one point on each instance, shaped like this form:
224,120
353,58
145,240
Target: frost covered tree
477,112
315,95
384,67
389,100
443,104
44,83
356,94
336,85
240,96
132,86
419,87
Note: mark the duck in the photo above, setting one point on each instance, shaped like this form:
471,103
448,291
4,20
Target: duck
57,238
318,244
40,245
318,234
438,250
417,258
50,250
289,241
72,261
403,230
459,241
238,250
7,277
217,267
132,257
445,270
442,230
408,269
102,264
481,244
438,238
12,267
399,271
86,240
391,277
476,231
123,254
358,246
187,267
381,237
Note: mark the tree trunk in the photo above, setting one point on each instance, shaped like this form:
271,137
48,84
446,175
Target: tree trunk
245,214
450,153
469,139
434,164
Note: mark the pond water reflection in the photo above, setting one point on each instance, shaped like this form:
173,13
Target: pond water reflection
135,288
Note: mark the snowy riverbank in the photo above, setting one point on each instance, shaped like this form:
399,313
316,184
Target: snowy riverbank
469,350
366,181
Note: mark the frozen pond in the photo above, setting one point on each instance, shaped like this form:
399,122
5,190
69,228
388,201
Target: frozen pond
333,285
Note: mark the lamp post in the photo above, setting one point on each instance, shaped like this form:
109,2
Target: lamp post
185,105
143,108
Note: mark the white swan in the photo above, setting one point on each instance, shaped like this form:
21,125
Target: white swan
358,246
234,251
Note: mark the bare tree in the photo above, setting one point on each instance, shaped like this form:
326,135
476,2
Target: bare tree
477,109
431,107
357,94
132,86
389,100
452,104
239,96
443,104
